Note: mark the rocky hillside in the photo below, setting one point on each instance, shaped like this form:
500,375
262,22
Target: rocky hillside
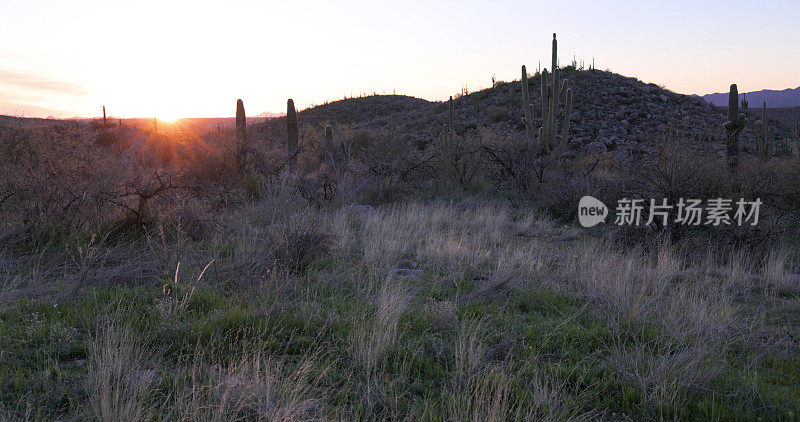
610,112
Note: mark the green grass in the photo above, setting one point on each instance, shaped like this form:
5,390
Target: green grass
555,340
45,348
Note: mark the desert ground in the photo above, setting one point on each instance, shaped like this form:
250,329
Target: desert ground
390,258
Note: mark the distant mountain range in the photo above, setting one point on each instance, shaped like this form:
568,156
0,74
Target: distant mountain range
268,114
789,97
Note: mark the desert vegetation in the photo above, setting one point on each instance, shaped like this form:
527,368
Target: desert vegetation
387,258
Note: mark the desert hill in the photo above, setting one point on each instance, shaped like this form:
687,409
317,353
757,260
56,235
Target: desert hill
610,112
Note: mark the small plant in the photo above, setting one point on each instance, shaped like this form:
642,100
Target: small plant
764,138
175,297
734,126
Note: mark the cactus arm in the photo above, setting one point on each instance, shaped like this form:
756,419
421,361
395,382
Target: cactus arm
734,126
554,64
543,133
554,99
733,103
528,109
565,130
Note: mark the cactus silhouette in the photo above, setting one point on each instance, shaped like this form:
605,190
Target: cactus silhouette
104,115
734,126
241,122
764,138
448,141
548,141
291,134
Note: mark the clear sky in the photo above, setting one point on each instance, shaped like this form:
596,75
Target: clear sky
195,58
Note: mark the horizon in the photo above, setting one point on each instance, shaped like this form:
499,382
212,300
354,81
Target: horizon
183,60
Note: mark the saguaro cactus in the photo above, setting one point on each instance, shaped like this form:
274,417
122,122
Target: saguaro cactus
764,138
104,116
448,142
291,134
241,122
451,122
736,122
548,142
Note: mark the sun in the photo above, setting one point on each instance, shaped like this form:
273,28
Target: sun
168,117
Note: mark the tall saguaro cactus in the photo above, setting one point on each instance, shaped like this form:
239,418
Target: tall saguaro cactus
451,126
291,134
448,141
764,139
734,126
104,116
241,123
548,142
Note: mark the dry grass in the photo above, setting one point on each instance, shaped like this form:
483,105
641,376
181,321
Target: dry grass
375,334
252,387
332,337
114,357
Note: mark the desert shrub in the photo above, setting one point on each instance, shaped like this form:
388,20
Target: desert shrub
560,196
299,249
509,164
676,171
57,178
362,140
498,114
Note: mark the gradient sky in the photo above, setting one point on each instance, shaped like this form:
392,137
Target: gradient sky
195,58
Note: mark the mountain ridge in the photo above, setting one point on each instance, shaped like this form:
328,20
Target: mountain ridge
789,97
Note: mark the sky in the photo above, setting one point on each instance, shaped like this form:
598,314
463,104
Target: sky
170,59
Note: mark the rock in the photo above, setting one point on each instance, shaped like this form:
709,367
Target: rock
611,142
596,148
663,98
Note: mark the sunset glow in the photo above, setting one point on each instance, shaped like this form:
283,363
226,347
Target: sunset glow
169,117
194,59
